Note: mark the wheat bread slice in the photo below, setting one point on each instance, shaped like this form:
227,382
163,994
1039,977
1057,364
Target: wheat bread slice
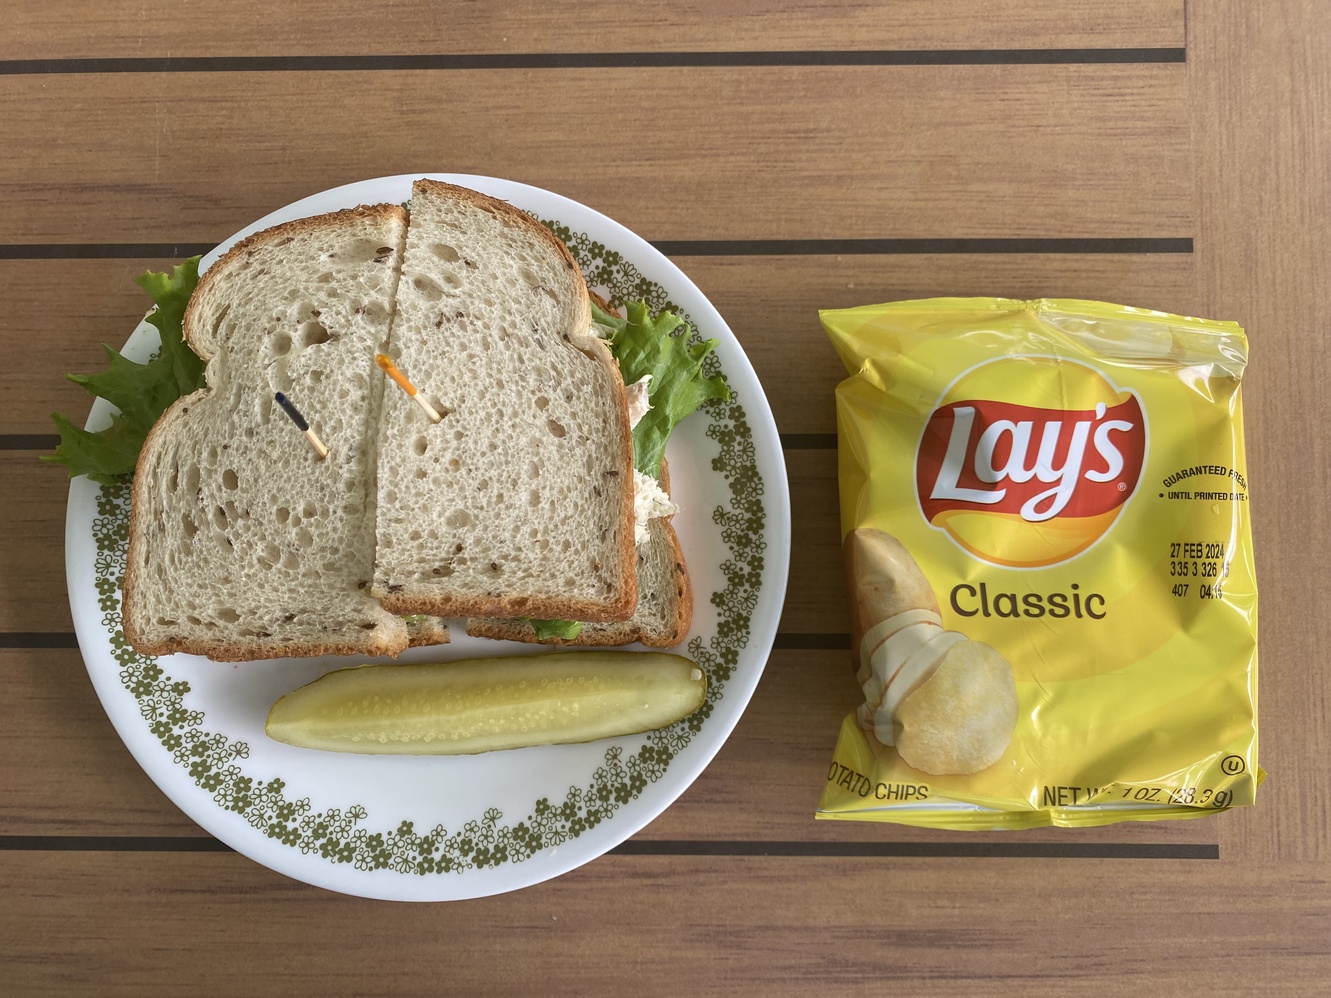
243,543
520,501
660,620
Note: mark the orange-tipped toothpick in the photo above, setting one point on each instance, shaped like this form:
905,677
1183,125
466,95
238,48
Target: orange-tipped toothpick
391,370
299,420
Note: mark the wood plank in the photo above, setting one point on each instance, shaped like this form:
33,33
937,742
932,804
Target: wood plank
847,152
247,27
142,925
66,772
770,302
816,589
64,768
1262,88
32,545
69,308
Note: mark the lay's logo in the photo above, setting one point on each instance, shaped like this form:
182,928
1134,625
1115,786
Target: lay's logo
1024,485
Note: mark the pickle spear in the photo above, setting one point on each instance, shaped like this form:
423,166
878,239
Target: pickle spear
486,704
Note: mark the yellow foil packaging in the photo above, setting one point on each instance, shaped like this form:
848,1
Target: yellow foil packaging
1044,507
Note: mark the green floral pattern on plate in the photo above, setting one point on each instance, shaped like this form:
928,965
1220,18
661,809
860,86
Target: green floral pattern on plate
344,835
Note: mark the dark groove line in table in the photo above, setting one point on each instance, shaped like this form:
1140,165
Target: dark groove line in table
592,60
112,843
100,251
697,247
784,641
29,441
799,441
978,849
795,641
48,442
947,245
38,639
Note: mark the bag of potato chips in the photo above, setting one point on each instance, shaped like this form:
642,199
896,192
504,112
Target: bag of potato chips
1044,507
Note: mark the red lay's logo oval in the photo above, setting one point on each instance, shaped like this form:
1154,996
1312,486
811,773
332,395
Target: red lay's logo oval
1023,484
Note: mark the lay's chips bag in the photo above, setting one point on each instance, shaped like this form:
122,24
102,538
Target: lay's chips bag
1044,507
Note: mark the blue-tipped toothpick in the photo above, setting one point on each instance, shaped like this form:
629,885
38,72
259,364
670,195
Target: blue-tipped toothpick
304,427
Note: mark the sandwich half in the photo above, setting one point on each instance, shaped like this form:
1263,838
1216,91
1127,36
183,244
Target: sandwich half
244,544
519,502
665,596
660,620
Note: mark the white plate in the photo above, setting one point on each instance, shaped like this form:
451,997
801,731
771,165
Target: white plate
428,829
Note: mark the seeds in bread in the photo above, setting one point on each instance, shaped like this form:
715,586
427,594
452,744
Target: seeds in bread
519,503
243,544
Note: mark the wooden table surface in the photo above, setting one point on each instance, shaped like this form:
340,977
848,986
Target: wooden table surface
1150,152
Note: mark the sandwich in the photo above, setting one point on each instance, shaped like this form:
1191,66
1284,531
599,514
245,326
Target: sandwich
666,383
516,507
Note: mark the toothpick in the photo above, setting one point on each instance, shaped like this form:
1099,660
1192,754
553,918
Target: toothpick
391,370
299,420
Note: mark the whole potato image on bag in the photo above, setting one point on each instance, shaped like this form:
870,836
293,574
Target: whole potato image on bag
1048,558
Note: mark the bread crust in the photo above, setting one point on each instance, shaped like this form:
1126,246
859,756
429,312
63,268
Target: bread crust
260,649
137,515
492,204
542,608
195,334
427,631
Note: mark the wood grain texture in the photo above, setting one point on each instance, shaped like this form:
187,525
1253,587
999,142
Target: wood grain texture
872,152
63,767
71,308
128,30
32,545
66,773
146,925
1262,89
771,303
1229,149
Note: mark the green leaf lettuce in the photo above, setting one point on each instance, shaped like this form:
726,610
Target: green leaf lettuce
547,630
142,392
660,347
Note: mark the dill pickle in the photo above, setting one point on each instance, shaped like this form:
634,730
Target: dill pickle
487,704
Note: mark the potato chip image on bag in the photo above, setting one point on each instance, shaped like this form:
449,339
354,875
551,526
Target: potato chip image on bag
1044,511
